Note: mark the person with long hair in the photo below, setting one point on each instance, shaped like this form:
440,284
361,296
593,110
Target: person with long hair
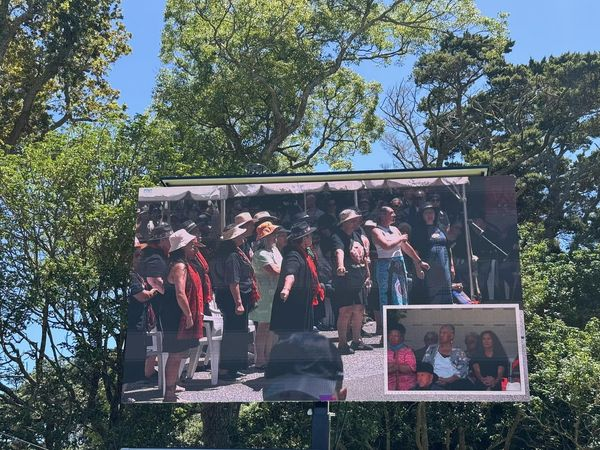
450,363
298,288
182,311
490,364
267,266
402,364
431,243
236,293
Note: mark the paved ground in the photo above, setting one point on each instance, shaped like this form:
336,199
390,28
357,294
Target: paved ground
363,377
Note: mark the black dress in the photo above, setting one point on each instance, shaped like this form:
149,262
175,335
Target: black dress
296,313
170,317
232,269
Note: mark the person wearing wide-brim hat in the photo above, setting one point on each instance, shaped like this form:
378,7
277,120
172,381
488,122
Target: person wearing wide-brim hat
236,293
267,266
264,216
352,280
182,310
298,288
140,320
246,222
192,227
153,259
199,261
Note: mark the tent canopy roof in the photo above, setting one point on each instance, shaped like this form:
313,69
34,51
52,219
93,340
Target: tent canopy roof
267,187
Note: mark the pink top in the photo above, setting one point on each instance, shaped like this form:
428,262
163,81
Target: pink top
402,381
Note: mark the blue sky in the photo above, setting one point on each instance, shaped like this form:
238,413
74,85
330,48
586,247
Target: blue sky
540,28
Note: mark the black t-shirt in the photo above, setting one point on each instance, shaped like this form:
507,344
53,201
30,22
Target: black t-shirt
230,269
342,241
488,367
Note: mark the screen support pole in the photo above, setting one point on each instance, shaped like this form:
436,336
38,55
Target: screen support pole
468,241
320,426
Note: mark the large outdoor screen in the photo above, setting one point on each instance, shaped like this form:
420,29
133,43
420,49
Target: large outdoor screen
389,286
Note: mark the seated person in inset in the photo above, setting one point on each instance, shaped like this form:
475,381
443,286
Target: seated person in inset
490,364
401,360
304,367
430,338
449,363
426,378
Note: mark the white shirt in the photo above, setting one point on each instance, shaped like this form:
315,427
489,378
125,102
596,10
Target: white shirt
391,252
442,366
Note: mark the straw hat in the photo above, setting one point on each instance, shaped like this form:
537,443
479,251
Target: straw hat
242,219
264,215
232,231
191,227
265,229
180,239
348,214
369,224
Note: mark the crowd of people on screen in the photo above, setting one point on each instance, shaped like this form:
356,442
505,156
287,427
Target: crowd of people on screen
290,270
481,365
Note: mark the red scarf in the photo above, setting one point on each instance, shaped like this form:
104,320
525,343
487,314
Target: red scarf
254,294
206,284
316,290
195,297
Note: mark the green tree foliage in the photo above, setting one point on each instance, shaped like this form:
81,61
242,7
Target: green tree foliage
66,229
54,58
271,81
539,121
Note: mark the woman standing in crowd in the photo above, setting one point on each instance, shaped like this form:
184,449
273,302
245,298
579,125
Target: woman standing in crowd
431,243
182,311
298,288
236,292
352,279
402,364
391,271
267,266
490,363
450,363
140,319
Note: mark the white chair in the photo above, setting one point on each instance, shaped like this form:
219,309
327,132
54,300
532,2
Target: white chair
156,349
213,334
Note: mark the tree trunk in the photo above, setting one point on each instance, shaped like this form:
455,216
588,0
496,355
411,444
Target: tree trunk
421,437
220,424
462,442
512,430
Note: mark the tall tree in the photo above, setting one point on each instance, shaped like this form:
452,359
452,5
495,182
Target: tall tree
273,80
54,58
538,121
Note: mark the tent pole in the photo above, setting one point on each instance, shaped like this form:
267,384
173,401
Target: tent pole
468,241
223,219
356,200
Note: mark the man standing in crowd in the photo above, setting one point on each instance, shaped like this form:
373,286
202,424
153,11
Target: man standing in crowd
312,211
